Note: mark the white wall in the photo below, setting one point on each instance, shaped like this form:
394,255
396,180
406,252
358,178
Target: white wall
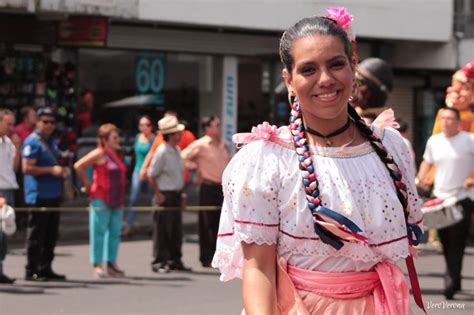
421,55
466,51
425,20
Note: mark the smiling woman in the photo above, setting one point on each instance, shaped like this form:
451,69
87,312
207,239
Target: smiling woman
327,198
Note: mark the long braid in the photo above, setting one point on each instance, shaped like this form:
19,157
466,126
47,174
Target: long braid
304,157
346,229
413,231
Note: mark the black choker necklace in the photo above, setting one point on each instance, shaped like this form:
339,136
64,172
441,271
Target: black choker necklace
332,134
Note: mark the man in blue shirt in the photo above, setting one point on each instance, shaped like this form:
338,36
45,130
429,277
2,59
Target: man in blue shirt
42,188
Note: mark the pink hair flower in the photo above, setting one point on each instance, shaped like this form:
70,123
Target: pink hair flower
342,17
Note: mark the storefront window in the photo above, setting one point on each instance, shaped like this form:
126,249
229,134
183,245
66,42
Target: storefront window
127,84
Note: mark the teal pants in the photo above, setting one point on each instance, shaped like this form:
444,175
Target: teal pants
105,225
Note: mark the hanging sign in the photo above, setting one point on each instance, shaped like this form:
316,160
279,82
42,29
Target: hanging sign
83,31
229,100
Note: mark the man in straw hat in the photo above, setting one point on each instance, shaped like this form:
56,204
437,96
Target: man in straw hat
166,178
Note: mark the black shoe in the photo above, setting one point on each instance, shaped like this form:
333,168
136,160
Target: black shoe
179,266
451,287
51,275
5,279
206,264
450,291
160,268
33,276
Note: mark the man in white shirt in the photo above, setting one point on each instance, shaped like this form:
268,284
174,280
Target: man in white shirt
9,161
452,153
165,175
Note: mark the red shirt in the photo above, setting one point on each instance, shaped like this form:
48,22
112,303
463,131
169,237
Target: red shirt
109,180
23,130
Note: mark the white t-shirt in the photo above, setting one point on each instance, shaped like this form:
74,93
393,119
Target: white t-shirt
265,203
7,157
454,160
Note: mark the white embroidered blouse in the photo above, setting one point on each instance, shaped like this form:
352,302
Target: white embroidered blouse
264,203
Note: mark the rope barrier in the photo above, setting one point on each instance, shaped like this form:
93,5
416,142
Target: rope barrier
138,209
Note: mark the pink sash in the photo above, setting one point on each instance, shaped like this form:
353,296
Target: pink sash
387,282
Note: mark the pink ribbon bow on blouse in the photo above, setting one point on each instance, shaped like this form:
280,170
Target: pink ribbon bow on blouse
263,131
386,119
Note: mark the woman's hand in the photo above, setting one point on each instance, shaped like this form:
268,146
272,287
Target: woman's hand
86,189
142,174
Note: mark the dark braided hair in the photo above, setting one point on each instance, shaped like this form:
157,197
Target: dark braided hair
323,26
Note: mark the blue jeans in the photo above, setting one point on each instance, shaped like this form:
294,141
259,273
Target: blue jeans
8,194
105,224
137,185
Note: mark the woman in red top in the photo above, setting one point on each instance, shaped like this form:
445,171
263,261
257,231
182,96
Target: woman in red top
106,195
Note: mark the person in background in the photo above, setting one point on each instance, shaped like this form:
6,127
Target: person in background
84,110
209,156
28,123
166,178
22,131
142,145
43,178
316,214
187,138
375,79
460,95
10,158
403,129
106,195
452,154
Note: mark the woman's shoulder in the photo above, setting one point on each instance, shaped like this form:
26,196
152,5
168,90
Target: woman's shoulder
257,157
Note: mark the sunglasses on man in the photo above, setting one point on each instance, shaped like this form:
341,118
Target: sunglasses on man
49,122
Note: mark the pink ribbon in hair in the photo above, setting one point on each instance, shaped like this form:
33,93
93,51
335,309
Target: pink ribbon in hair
342,17
386,119
263,131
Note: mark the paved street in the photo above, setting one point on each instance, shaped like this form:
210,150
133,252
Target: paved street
145,292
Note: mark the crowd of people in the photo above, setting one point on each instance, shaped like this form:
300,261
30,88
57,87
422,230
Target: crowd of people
163,162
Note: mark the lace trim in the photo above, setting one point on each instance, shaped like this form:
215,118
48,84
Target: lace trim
393,249
229,259
315,238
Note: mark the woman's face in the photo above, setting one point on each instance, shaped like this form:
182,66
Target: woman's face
113,141
144,125
322,77
459,95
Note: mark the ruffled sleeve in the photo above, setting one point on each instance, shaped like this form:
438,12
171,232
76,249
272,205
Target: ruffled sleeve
400,152
250,209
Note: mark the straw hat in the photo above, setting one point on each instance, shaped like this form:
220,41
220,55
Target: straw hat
169,124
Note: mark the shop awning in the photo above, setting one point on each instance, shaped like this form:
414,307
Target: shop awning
137,100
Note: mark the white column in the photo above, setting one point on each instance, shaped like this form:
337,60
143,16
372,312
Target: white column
229,100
